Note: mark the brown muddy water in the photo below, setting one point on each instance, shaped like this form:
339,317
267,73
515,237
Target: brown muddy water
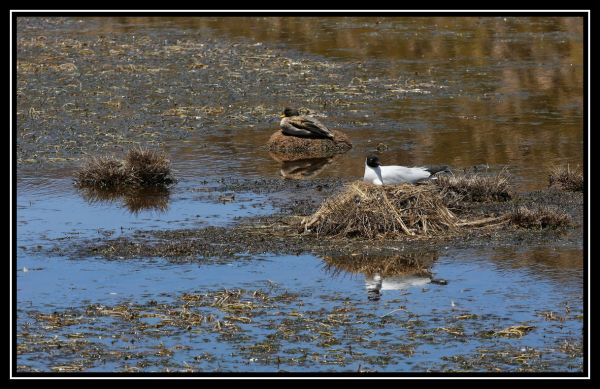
489,92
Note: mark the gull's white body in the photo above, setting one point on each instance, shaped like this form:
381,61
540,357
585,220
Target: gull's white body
395,174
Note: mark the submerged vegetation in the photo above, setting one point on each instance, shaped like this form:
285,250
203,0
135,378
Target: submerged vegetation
141,168
271,329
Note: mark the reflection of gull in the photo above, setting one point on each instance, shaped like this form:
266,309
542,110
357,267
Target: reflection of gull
304,168
375,283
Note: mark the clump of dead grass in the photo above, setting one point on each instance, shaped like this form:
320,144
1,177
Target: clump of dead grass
475,187
568,178
369,211
539,218
141,168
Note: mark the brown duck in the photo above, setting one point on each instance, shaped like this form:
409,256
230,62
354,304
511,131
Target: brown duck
294,124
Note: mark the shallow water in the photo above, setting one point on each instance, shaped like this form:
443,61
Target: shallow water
500,292
458,91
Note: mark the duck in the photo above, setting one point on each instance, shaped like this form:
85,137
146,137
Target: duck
294,124
377,174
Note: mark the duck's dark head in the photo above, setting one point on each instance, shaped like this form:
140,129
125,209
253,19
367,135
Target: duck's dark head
373,161
290,112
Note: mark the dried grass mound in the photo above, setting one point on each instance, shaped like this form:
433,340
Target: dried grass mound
369,211
101,173
540,218
141,168
566,178
310,147
148,168
475,187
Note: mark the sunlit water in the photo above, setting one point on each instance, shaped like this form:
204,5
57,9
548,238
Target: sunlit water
469,91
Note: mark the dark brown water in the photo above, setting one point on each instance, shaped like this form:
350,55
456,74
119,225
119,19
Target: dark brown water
461,91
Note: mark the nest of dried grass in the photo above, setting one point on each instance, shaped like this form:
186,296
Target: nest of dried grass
474,187
540,218
566,178
369,211
141,168
309,147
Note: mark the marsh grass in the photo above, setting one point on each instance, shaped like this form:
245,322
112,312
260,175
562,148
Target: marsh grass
141,168
475,187
539,218
568,178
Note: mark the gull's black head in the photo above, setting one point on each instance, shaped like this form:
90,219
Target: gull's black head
373,161
290,112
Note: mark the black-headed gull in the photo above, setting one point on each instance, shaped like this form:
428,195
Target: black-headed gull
377,174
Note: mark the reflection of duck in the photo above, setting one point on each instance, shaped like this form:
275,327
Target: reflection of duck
375,283
379,175
292,123
304,168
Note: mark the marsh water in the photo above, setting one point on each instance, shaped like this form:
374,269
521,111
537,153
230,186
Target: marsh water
490,92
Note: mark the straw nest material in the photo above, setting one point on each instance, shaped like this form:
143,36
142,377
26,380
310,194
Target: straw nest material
568,178
370,211
141,168
310,147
